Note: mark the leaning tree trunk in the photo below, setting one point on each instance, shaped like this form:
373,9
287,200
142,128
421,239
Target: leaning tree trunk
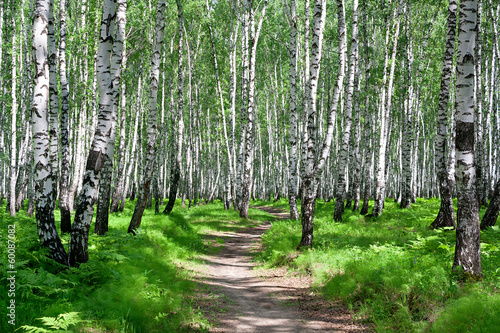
292,166
468,248
344,154
491,215
44,204
446,215
154,78
176,165
103,135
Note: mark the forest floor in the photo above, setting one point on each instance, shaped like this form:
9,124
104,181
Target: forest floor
265,300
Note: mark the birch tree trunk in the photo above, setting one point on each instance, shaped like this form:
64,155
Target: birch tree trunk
386,98
65,154
292,166
344,153
229,190
176,165
491,215
154,79
244,100
446,215
468,248
104,134
102,215
249,137
13,149
119,189
480,141
54,102
44,204
313,168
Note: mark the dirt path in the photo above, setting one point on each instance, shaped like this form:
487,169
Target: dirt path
267,301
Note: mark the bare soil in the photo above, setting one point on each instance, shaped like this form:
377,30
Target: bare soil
245,299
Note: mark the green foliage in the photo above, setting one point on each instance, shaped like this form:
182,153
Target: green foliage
474,313
61,323
393,269
130,284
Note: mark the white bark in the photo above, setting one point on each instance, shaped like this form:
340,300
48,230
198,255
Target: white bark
343,158
13,155
249,137
154,80
47,231
54,101
467,249
104,133
292,165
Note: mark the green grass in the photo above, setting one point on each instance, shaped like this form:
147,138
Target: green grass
130,284
392,270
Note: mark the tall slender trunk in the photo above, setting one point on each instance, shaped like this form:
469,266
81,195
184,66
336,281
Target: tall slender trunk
176,165
344,154
480,140
65,154
244,100
292,166
356,178
13,155
119,188
54,101
102,215
104,134
229,189
446,215
154,80
133,150
386,98
249,137
468,248
312,167
407,122
44,203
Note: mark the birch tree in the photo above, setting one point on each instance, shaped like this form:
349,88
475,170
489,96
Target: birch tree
44,203
102,216
343,158
154,78
446,215
292,166
468,248
250,103
104,133
176,165
313,168
54,101
65,150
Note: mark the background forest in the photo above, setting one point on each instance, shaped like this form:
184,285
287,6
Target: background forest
353,115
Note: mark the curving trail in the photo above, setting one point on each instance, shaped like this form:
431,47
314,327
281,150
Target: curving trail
274,303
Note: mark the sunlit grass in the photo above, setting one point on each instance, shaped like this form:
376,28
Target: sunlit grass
392,269
131,283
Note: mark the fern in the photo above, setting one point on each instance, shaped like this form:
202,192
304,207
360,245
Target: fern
60,323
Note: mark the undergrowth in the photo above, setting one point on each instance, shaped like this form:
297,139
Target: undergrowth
392,270
130,284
